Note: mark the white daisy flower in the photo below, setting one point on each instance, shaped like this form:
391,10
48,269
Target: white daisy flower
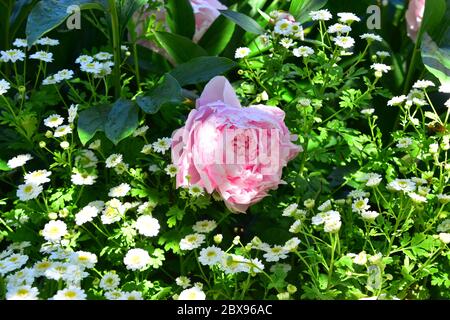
20,43
19,161
302,51
395,101
360,205
50,80
24,292
42,56
54,230
283,27
423,84
193,293
113,160
383,54
295,227
445,88
241,52
133,295
348,17
171,170
444,237
405,185
292,244
444,199
61,131
325,206
84,59
371,37
147,149
287,42
136,259
417,198
183,282
404,143
210,256
79,179
380,68
84,259
113,211
120,191
70,293
87,214
204,226
53,121
195,190
37,177
344,42
64,74
339,28
46,41
92,67
73,111
192,241
147,226
368,111
4,87
110,281
369,215
275,254
12,55
103,56
323,15
372,179
162,145
29,191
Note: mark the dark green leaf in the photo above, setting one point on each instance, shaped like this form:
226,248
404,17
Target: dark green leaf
436,60
218,36
180,17
167,92
201,69
122,120
92,120
48,14
300,9
244,21
432,17
180,48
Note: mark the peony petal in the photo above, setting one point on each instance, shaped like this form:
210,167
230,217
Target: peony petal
218,89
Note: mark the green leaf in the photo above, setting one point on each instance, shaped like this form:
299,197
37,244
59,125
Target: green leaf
180,17
167,92
244,21
48,14
432,17
122,120
4,166
92,120
300,9
201,69
218,36
435,59
180,48
174,214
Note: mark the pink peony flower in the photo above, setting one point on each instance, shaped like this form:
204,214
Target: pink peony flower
205,11
237,152
414,16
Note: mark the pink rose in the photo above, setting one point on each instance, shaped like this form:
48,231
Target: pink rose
205,11
237,152
414,16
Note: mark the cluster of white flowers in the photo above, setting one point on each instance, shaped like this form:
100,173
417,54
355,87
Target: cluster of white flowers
62,264
99,65
331,220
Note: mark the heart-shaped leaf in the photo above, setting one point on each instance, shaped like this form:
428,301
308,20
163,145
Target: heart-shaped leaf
91,121
122,121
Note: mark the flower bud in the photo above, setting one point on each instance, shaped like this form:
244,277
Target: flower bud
218,238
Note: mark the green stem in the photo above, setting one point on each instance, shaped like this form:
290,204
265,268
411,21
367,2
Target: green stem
116,46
